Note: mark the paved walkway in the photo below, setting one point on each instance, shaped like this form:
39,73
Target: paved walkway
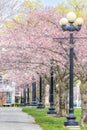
12,118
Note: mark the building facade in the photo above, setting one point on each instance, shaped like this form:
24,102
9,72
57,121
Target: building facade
7,92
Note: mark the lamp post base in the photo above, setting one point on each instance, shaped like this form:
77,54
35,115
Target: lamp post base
40,106
52,111
71,120
73,127
33,103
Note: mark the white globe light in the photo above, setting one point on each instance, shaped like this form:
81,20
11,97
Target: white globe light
71,16
3,50
79,21
63,21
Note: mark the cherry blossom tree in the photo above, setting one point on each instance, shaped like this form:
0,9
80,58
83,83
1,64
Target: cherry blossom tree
30,47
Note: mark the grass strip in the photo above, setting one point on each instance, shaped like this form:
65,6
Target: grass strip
48,122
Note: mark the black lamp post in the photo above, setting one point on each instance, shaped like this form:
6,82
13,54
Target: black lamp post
24,96
34,102
40,104
21,97
51,97
74,24
28,98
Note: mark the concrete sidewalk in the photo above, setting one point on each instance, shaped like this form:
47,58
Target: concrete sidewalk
12,118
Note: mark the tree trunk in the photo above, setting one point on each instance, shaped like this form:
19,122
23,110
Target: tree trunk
83,91
56,97
60,99
44,91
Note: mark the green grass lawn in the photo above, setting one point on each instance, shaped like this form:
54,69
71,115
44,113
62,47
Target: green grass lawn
47,122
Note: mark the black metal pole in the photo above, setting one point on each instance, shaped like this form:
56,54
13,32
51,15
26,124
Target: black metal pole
21,97
28,98
40,104
71,117
52,108
34,102
24,96
71,110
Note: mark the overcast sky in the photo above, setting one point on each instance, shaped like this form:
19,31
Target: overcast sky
9,10
50,3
